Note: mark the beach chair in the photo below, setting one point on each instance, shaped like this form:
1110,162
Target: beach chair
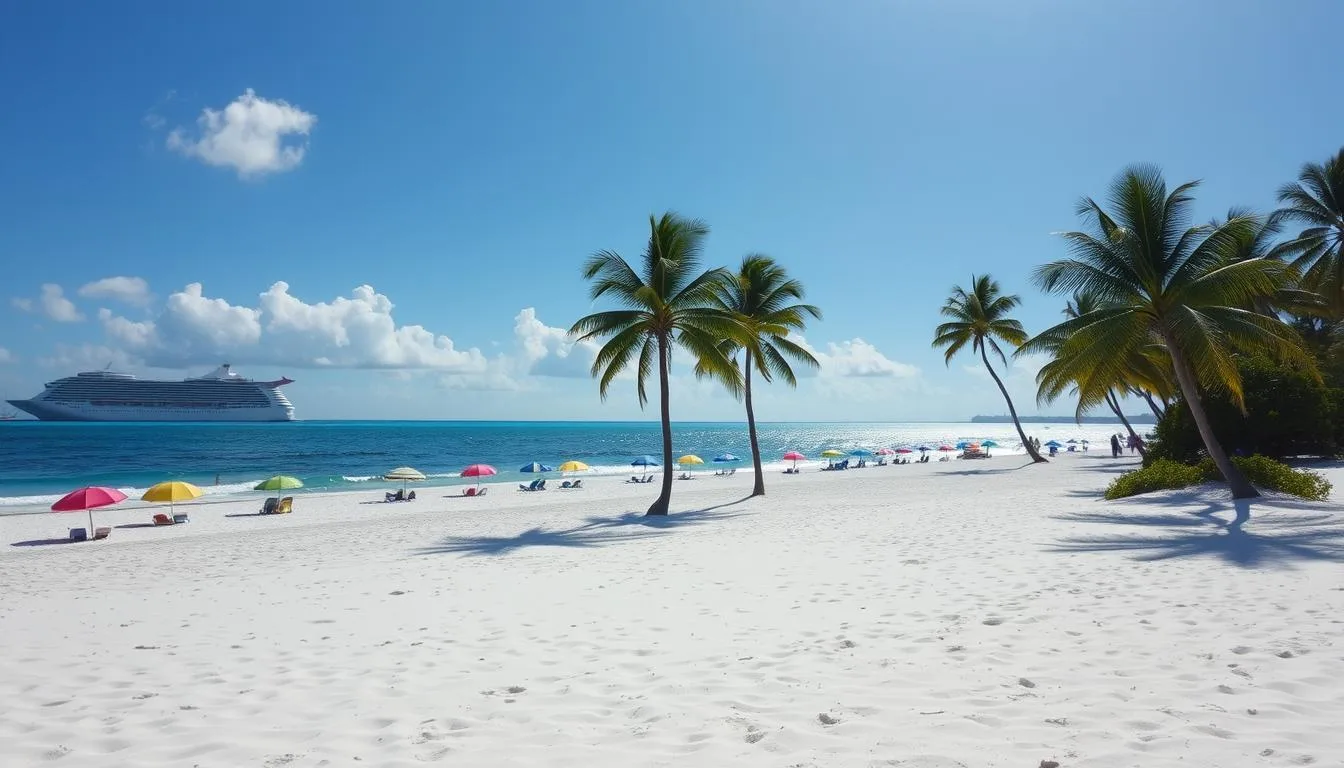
180,517
101,533
268,508
577,485
79,534
162,519
470,491
565,486
285,506
410,496
532,486
540,487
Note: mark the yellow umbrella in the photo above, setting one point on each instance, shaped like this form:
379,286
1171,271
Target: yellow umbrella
690,458
573,466
831,453
171,492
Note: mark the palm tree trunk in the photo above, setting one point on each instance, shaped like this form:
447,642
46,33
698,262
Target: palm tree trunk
1031,449
1115,408
664,500
1185,377
759,488
1152,404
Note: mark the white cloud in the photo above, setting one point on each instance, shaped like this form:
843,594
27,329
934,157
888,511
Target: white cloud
252,135
549,351
855,358
129,290
5,356
51,303
87,357
347,332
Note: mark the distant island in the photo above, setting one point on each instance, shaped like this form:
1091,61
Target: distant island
1144,418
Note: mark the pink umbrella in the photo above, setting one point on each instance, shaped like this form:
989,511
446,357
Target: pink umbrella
478,471
904,450
946,448
795,457
884,451
87,500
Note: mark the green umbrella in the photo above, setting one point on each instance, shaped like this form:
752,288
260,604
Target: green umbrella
279,483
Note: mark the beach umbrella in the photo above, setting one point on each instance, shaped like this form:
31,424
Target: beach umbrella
923,448
726,457
1071,441
478,471
573,466
886,451
171,492
87,500
961,446
795,457
405,475
690,458
860,453
278,483
946,448
1054,444
535,467
904,450
831,453
989,444
645,461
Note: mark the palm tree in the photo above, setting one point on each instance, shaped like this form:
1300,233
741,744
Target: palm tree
979,317
1163,282
1317,201
666,303
762,296
1142,372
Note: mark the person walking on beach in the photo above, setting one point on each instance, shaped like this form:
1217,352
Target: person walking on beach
1115,447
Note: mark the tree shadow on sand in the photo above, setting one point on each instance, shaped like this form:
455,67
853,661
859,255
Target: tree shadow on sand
1278,534
986,470
594,532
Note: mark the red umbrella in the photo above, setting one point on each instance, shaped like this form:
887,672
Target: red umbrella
478,471
904,450
946,448
87,500
795,457
885,451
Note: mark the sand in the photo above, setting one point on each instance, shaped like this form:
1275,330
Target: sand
960,614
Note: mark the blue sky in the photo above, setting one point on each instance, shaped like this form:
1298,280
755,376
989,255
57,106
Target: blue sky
461,159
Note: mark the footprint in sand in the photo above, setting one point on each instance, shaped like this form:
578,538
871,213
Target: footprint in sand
992,621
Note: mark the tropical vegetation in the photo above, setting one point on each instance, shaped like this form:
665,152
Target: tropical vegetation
979,317
668,301
766,303
1165,474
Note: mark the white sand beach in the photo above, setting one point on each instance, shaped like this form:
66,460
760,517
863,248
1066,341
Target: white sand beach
960,614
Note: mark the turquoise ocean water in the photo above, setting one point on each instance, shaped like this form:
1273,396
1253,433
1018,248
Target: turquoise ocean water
39,461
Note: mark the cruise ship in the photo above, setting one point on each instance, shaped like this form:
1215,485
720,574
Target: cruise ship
109,396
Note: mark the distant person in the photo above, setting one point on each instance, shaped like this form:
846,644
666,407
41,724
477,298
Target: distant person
1115,447
216,478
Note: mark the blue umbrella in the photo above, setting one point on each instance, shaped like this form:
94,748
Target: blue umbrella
1054,444
726,457
644,461
860,452
1072,441
962,445
989,444
535,467
923,448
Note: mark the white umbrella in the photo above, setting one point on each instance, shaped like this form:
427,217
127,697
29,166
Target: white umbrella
404,474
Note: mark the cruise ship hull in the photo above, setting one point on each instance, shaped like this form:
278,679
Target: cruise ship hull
49,411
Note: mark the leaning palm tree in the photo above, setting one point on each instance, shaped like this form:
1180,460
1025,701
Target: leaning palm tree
979,317
1316,200
666,302
1163,282
761,297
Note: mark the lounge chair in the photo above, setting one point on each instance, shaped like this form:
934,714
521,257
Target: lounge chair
533,486
79,534
180,517
268,508
410,496
162,519
101,533
577,485
285,506
542,486
400,495
685,476
565,486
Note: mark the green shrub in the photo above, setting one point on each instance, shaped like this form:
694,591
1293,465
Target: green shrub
1275,476
1164,474
1161,474
1288,413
